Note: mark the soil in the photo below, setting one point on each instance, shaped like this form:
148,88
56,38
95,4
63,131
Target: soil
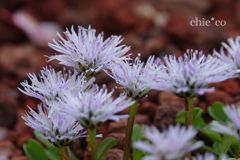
150,27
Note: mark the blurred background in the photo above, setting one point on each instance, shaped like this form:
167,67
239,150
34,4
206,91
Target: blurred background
150,27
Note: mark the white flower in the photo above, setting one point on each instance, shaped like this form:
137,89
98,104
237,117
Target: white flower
94,108
87,52
189,75
134,77
170,144
51,84
59,127
232,57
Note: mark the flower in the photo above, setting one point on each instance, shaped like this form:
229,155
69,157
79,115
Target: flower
233,56
52,84
233,113
170,144
87,52
134,77
59,127
189,75
94,108
206,156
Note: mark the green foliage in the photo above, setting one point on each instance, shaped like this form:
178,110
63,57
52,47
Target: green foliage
104,146
137,136
198,121
221,144
34,150
217,113
214,136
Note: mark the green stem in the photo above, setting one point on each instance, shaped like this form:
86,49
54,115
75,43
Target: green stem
67,151
189,111
128,135
64,153
87,78
92,143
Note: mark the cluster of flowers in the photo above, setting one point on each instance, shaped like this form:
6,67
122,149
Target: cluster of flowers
71,102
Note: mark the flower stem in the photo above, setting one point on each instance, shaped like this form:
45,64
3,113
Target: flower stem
128,135
189,111
64,153
87,78
92,143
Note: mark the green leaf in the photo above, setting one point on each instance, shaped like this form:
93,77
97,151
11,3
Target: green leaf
211,134
137,133
34,150
136,136
198,122
138,154
234,159
105,145
217,146
180,117
217,112
235,147
39,136
52,153
227,141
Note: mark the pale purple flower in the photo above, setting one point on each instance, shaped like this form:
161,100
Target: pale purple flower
87,52
59,127
171,144
232,57
94,108
133,77
189,75
49,84
206,156
232,128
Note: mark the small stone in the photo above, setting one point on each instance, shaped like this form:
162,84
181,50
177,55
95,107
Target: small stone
218,96
120,137
21,157
148,108
23,138
103,129
8,149
115,16
166,114
114,154
118,127
142,119
167,97
231,86
178,27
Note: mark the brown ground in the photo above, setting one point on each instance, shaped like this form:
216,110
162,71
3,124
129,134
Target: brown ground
150,27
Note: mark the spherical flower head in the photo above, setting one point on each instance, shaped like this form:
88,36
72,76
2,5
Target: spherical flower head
232,57
232,127
87,52
59,127
189,75
133,77
49,84
170,144
94,108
